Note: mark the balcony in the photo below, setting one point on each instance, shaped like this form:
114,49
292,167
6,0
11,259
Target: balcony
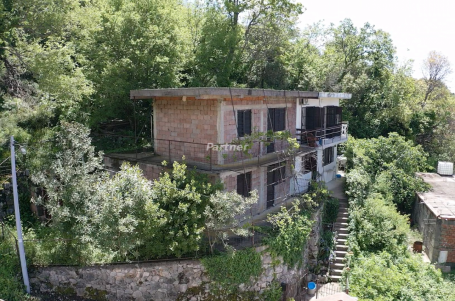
206,157
323,137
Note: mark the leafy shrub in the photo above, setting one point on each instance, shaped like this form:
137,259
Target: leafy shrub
330,211
388,278
399,187
377,226
231,269
390,162
11,287
274,292
290,231
223,214
127,216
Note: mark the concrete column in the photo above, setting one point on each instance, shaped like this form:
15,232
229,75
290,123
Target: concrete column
320,164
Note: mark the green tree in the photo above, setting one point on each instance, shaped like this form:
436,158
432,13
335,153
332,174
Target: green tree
127,217
68,168
139,44
180,197
224,214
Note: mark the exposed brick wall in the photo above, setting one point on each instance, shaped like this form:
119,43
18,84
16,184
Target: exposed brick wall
190,124
448,241
259,110
282,190
230,183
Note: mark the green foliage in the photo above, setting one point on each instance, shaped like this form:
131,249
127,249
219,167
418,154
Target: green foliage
316,195
127,216
67,166
11,287
326,245
376,226
139,44
180,198
273,292
380,179
290,231
384,277
223,214
230,270
389,162
330,213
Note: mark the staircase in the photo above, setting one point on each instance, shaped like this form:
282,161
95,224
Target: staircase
341,249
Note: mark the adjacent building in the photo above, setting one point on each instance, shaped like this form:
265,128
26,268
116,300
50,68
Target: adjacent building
216,131
434,214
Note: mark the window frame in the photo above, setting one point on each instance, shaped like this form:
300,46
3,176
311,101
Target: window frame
245,188
328,155
244,122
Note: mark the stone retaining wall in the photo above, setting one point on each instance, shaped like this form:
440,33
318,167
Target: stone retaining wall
164,280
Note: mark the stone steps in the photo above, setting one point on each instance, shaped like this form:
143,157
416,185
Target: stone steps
341,248
337,272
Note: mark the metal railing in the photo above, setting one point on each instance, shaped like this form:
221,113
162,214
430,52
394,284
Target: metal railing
205,156
318,137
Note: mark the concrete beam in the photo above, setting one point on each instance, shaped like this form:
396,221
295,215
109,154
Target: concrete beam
235,92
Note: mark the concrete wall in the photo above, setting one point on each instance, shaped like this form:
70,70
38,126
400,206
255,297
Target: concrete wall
166,280
427,225
150,171
438,234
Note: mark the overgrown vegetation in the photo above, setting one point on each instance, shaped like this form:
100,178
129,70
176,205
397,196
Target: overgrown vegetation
228,271
381,267
290,231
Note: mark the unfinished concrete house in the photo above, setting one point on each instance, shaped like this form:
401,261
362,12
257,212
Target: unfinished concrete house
434,213
207,127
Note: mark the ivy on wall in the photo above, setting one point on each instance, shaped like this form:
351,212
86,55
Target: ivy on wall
230,270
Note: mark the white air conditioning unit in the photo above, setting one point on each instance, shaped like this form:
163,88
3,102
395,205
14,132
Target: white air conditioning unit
445,168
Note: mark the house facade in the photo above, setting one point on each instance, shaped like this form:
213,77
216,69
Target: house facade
218,131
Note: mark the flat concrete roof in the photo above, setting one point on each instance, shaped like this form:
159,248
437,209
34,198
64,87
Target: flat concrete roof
235,92
441,199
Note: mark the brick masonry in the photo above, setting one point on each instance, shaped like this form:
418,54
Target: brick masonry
448,240
438,234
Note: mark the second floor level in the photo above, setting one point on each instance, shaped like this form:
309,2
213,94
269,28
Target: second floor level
206,124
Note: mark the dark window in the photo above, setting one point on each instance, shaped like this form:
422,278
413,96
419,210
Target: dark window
331,115
244,184
314,118
339,115
309,163
328,155
276,119
244,123
276,174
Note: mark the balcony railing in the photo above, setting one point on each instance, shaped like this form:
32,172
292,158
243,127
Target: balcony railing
322,136
208,157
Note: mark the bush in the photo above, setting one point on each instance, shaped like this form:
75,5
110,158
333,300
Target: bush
384,277
229,270
377,226
390,162
330,211
290,231
11,287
